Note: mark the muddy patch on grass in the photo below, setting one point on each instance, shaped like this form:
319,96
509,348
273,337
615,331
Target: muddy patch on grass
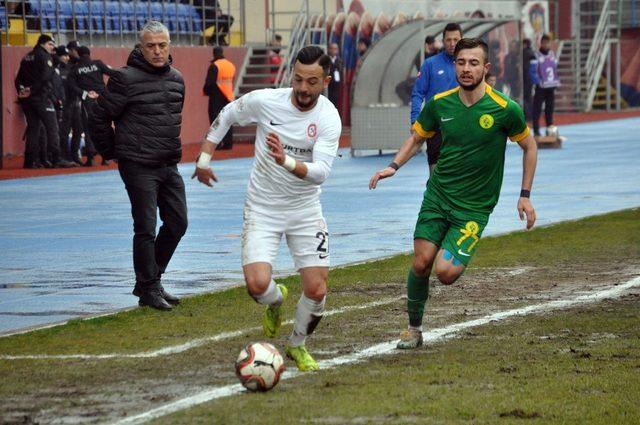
103,391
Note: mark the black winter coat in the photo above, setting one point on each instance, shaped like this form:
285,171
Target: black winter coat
145,104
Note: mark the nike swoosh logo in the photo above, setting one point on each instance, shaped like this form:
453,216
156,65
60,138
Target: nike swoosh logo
322,257
275,123
446,119
462,253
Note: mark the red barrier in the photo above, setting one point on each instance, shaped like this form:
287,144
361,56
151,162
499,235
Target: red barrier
191,61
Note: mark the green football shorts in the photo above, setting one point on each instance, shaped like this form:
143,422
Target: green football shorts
456,231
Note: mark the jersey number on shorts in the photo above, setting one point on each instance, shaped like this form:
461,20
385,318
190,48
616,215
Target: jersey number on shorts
323,246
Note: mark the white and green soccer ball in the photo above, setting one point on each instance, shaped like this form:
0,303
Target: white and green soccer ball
259,366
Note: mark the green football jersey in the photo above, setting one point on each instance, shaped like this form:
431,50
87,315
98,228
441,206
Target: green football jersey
471,164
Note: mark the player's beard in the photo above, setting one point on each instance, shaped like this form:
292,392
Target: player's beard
472,86
307,101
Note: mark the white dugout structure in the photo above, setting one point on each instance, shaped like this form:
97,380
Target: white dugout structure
379,116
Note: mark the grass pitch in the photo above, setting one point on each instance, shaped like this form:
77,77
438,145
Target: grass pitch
573,366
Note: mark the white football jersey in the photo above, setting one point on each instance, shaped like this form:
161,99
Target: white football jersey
301,134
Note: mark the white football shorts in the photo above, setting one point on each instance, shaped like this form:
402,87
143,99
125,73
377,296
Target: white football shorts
305,230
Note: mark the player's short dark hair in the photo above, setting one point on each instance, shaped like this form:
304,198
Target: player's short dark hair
313,54
526,43
218,52
472,43
545,37
452,26
429,39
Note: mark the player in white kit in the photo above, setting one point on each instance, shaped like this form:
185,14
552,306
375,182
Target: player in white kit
297,137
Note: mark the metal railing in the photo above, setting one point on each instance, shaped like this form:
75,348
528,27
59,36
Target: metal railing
599,53
302,34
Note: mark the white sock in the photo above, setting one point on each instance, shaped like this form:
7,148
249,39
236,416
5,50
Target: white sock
308,315
417,328
271,297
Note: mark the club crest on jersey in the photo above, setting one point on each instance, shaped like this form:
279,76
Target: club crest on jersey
486,121
312,131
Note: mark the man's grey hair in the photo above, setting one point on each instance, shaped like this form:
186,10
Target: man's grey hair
154,27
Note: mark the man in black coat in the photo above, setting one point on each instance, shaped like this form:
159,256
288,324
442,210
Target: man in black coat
71,120
87,83
528,55
35,87
144,100
336,74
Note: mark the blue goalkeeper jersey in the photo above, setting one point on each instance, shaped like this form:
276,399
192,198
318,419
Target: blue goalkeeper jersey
437,74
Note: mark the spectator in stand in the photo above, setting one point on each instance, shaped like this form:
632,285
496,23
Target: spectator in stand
87,82
219,21
219,87
335,72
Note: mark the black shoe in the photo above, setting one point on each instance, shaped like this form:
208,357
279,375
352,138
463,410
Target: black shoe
89,163
77,161
153,298
63,163
47,164
171,299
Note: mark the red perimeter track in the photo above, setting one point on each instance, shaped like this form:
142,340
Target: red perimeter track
12,167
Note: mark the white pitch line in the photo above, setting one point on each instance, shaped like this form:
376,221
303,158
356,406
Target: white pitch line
175,349
384,348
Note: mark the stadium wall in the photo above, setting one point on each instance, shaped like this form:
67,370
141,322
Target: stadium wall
191,61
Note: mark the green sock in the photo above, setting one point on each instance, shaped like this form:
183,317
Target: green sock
417,294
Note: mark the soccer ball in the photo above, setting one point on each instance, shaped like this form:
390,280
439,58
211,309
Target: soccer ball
259,366
552,131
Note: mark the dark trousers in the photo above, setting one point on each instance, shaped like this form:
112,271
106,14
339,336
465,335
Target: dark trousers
546,96
216,103
71,121
527,100
41,117
150,189
87,105
334,93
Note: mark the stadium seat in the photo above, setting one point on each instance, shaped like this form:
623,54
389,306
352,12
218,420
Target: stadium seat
156,11
126,17
3,18
197,21
81,9
142,13
171,16
96,15
183,18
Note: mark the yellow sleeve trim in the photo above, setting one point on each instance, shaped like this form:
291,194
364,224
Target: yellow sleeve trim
496,98
421,131
520,136
446,93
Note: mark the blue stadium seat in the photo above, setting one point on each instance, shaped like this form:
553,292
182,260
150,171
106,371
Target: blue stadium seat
197,21
96,14
142,12
157,11
126,16
81,9
3,18
114,17
183,18
171,16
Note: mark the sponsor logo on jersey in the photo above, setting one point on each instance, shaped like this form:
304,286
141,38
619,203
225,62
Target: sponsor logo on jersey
312,130
296,151
486,121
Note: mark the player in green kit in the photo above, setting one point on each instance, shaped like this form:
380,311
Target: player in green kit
475,122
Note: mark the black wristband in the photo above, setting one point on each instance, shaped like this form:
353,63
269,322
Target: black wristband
524,193
394,165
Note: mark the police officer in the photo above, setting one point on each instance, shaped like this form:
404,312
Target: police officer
86,81
70,104
34,84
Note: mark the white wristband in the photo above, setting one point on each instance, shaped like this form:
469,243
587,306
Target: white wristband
203,160
289,163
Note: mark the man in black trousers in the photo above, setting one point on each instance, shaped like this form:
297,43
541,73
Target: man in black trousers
144,100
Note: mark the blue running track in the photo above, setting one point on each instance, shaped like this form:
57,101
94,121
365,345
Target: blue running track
65,241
